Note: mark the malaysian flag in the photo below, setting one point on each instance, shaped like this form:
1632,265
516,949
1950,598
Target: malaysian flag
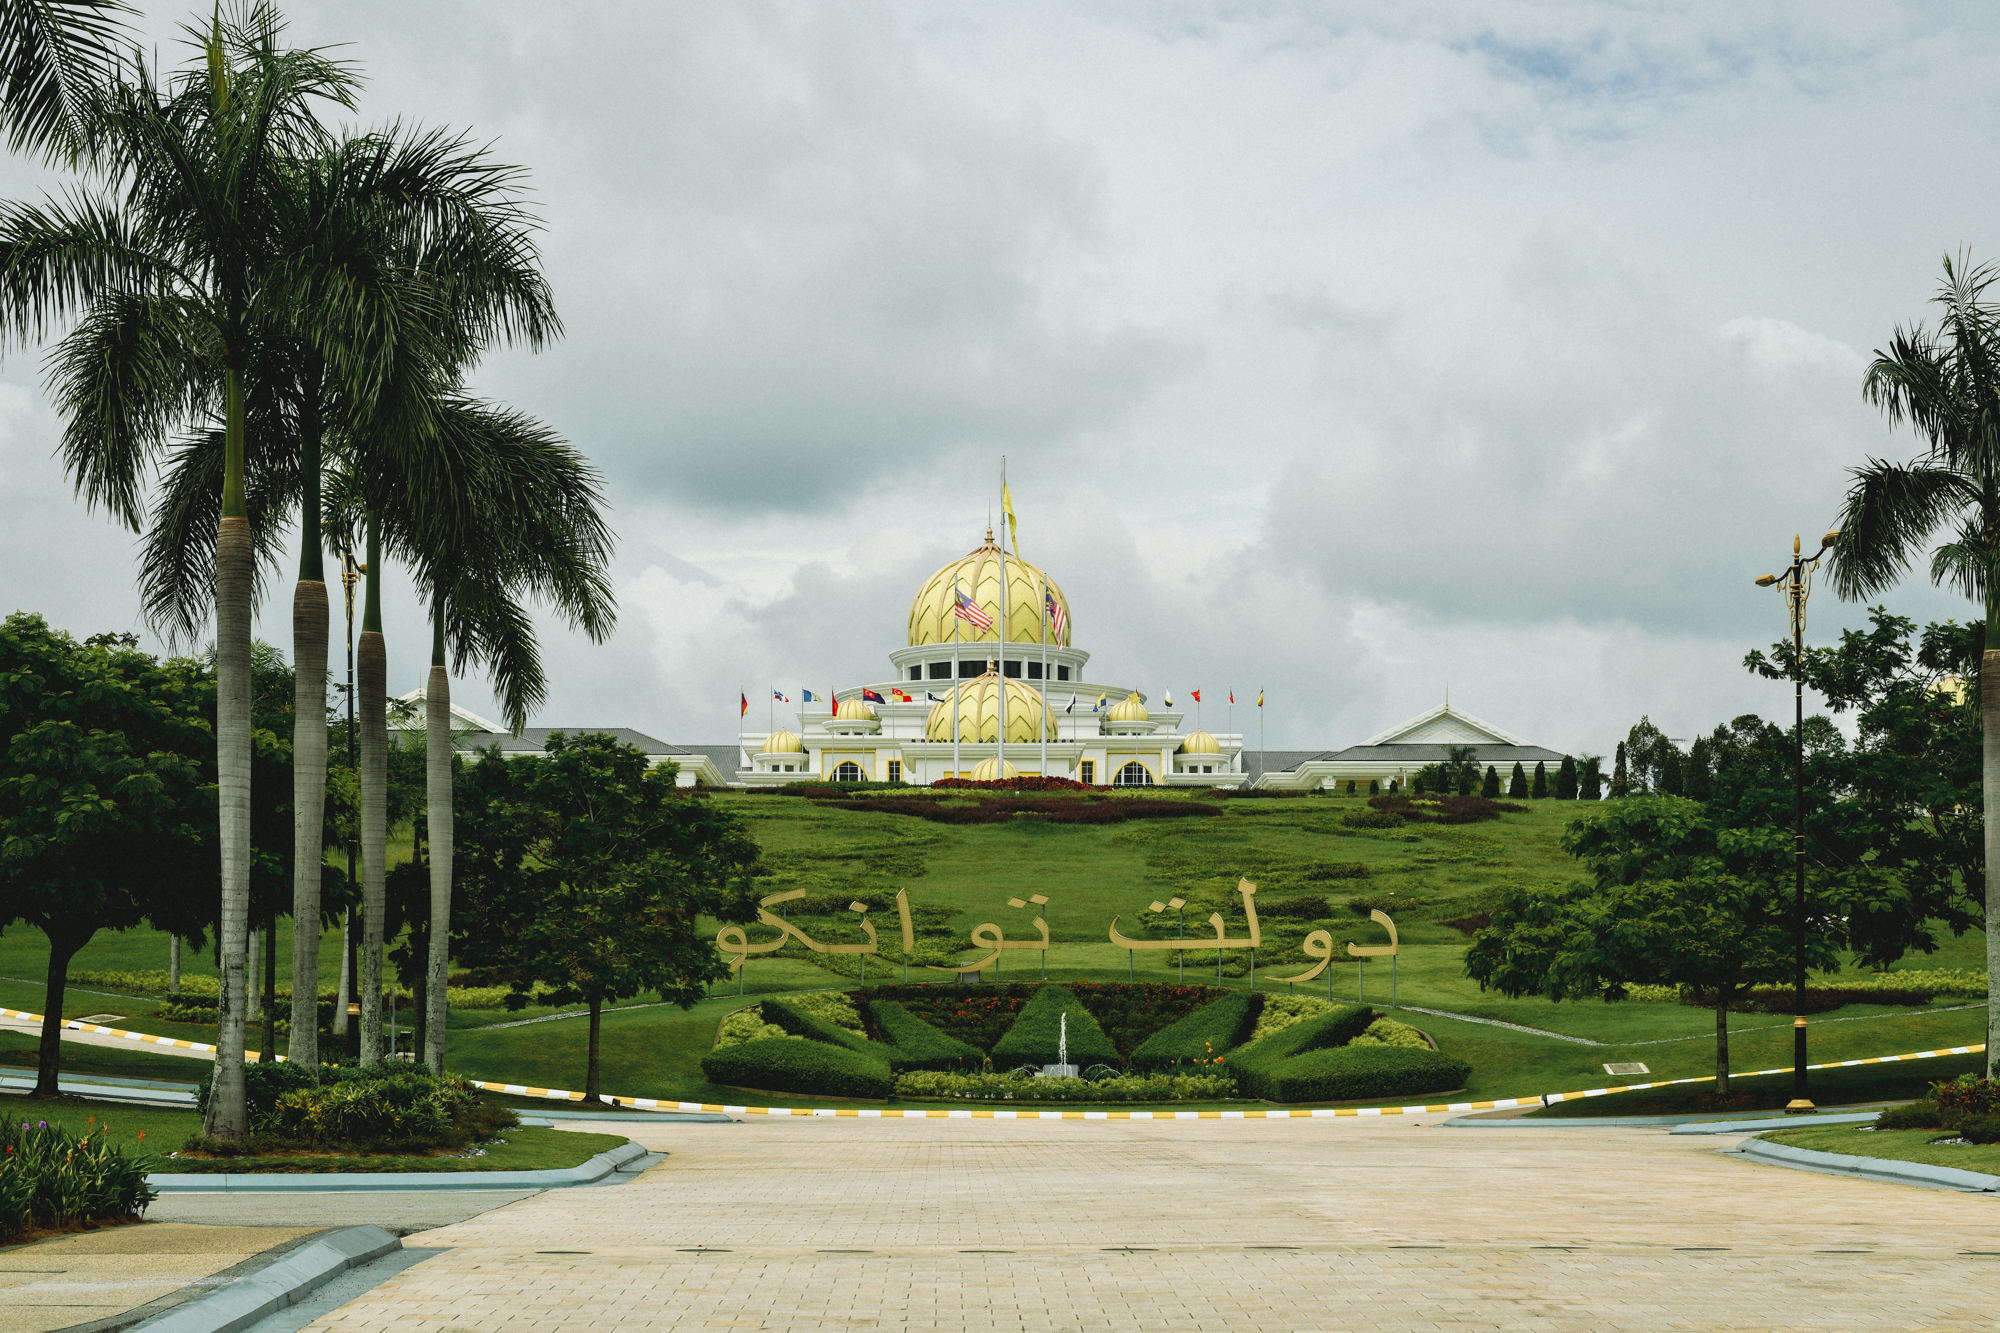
967,609
1058,618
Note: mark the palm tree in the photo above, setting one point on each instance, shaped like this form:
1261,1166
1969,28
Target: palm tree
1946,385
53,54
186,255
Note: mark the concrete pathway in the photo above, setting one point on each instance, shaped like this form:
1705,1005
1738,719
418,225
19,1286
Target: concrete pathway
92,1275
1260,1225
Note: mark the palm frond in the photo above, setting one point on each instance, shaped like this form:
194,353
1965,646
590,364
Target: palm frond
53,54
1890,512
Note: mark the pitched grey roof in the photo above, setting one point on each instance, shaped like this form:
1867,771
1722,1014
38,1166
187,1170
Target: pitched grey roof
1416,756
1258,762
532,740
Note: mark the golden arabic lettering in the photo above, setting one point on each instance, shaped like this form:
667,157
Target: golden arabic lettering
735,941
988,935
1319,945
1221,940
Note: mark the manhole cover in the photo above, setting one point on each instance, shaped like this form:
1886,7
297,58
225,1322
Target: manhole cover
1619,1071
100,1019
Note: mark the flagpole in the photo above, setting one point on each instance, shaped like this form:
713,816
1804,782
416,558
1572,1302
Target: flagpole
955,618
1046,719
1000,660
1260,731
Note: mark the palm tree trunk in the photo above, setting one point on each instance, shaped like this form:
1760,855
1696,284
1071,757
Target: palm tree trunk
173,965
235,556
437,792
372,696
267,1050
1989,725
1722,1041
310,630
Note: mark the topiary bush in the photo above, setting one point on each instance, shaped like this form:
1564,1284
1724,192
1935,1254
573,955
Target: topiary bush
1020,1087
387,1108
1129,1012
916,1045
815,1068
1203,1037
1917,1115
1311,1061
793,1018
1035,1037
53,1179
1968,1094
1980,1128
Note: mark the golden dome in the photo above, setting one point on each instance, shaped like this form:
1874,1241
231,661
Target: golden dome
783,742
855,709
979,713
1128,710
1201,743
978,574
993,770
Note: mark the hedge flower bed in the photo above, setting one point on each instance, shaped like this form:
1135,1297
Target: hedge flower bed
1315,1060
1913,987
381,1110
52,1179
1021,1087
1038,1036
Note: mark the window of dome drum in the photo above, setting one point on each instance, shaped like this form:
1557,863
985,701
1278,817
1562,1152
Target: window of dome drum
847,773
1011,668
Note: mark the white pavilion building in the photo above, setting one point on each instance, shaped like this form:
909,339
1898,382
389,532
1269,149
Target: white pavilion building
982,703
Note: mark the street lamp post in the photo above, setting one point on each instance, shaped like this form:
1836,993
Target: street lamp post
1797,583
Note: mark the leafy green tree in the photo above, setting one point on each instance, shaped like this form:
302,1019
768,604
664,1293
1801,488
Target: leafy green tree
1590,780
54,54
1671,899
185,262
1700,770
1621,780
1945,384
1517,786
1566,779
1489,786
584,871
104,811
1460,770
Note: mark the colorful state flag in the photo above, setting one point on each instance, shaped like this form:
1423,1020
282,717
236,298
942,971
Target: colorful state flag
1166,698
1260,698
1058,618
1102,699
808,697
1232,696
969,610
1195,695
1007,508
779,696
869,696
901,696
746,707
1072,705
930,698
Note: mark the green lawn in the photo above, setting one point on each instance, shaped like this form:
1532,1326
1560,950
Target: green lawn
1907,1145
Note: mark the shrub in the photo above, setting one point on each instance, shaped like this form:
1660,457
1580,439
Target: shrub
801,1022
749,1025
916,1044
1445,809
1339,870
833,1006
404,1109
52,1178
1980,1128
811,1067
1371,819
1016,1087
1388,1032
1347,1073
1036,1035
1095,809
1968,1094
1470,925
1252,1064
262,1085
1917,1115
1204,1036
1129,1012
1281,1011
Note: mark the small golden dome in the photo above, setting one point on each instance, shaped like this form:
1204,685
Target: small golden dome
1129,710
978,574
993,770
783,742
855,710
1201,743
979,713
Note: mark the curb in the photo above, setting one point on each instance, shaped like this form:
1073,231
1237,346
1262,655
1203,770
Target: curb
248,1299
1885,1169
1775,1122
393,1182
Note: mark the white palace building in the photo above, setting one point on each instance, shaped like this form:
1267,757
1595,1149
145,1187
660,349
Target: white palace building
973,702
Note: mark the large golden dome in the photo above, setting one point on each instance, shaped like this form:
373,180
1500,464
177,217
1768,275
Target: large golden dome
979,575
1129,709
992,770
1201,743
979,713
782,741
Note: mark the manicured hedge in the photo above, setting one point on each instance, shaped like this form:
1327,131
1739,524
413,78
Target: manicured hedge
1035,1038
816,1068
1204,1036
816,1029
918,1045
1129,1012
1310,1061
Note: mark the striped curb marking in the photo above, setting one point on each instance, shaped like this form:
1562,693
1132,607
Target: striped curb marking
877,1113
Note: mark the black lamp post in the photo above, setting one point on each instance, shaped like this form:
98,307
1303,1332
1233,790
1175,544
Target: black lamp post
1797,583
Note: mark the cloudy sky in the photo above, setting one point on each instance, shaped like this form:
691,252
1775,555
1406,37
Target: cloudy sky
1343,350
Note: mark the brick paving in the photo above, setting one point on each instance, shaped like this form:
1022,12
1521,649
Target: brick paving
1279,1225
92,1275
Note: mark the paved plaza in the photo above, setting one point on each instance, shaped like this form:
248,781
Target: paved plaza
1387,1224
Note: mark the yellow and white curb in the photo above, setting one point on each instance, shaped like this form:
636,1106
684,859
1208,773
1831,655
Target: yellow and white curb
942,1113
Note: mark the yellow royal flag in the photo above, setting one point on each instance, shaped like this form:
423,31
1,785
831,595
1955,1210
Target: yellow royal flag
1007,511
1260,698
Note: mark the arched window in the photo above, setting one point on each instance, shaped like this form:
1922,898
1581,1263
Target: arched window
847,773
1133,775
